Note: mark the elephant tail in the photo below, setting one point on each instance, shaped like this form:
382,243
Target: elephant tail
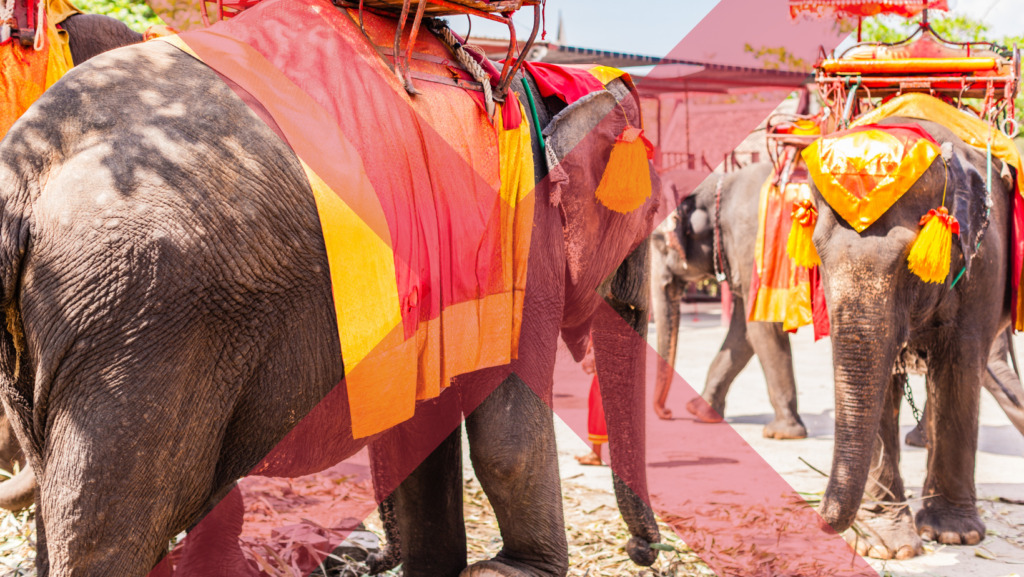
19,492
21,178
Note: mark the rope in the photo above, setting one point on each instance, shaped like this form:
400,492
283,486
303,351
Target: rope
37,44
471,65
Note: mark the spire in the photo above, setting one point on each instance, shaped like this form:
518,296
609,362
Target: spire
560,39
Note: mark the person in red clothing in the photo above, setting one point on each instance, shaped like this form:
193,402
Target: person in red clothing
597,430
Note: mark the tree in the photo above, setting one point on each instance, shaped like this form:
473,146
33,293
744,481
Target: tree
135,13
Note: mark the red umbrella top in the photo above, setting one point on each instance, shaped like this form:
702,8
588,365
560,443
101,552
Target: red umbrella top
863,8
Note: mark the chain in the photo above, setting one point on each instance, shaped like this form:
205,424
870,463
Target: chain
910,398
718,258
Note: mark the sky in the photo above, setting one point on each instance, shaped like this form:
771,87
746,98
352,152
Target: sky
654,27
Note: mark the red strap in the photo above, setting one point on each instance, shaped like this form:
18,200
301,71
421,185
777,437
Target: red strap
569,84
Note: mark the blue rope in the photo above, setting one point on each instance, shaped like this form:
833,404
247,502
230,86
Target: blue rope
533,112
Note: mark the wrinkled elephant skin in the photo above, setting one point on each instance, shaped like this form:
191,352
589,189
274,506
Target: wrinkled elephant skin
170,268
682,252
878,311
88,35
511,431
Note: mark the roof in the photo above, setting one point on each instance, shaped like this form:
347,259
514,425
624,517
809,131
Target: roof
669,74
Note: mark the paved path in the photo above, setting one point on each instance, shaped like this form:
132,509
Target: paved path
1000,462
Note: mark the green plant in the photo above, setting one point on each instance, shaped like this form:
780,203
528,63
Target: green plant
135,13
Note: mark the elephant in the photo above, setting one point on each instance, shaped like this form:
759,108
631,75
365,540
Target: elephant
885,321
167,321
88,35
510,431
682,252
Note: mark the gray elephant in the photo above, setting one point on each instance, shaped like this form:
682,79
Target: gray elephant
683,252
512,430
167,319
88,35
884,319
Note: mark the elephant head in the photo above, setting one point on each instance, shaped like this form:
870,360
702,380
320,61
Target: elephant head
878,307
596,240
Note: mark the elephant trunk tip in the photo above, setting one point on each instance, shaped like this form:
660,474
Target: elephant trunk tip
640,552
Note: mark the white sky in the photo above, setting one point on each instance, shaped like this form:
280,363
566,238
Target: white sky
654,27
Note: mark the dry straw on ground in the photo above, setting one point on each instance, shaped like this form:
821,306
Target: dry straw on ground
595,531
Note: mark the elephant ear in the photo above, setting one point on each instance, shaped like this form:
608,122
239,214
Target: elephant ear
970,202
578,144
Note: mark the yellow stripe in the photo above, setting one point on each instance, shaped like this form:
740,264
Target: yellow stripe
605,73
362,275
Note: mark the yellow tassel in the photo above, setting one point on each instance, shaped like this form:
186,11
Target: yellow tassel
626,182
929,256
800,247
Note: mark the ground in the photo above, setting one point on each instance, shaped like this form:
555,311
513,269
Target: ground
337,498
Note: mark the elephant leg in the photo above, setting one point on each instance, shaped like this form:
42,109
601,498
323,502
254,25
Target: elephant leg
428,504
884,517
948,513
1002,381
771,344
391,556
417,465
917,436
735,353
666,302
512,447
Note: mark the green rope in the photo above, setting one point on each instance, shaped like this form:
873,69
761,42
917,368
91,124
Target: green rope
988,195
533,111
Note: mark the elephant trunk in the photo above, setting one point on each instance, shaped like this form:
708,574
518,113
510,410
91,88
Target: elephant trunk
18,492
864,351
620,354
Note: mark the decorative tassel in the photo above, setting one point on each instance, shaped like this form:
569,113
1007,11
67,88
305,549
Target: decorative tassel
626,182
929,256
800,247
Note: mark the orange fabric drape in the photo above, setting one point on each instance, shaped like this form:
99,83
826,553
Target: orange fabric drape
424,203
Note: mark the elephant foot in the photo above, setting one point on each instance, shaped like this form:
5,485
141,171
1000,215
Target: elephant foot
703,411
492,568
785,428
948,524
917,437
663,412
889,534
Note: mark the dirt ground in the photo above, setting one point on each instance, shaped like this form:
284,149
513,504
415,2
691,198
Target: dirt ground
333,502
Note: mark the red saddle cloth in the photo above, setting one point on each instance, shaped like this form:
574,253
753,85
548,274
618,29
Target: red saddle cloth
426,225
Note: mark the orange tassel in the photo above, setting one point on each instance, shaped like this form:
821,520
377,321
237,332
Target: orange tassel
157,31
929,255
626,182
800,246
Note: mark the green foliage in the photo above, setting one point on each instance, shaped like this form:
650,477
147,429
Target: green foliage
778,58
890,28
135,13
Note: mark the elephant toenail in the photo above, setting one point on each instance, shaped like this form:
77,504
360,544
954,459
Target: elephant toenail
879,552
905,552
972,538
949,538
